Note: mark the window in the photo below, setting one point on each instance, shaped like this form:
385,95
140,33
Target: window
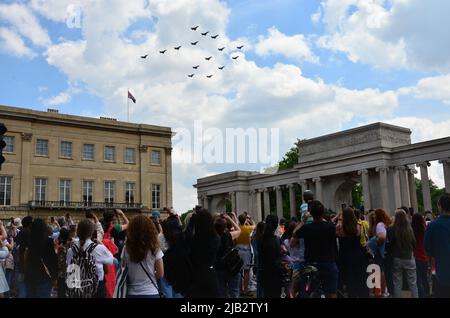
109,191
156,196
110,153
9,141
156,157
88,190
130,156
130,188
5,190
66,149
42,147
64,191
88,152
40,190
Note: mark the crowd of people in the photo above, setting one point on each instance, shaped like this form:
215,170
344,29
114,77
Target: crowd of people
224,255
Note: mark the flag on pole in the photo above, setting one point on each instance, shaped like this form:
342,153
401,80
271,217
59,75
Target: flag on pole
130,96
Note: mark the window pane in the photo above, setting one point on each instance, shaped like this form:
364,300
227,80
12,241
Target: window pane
42,147
156,196
130,188
9,141
5,190
88,190
64,191
130,155
110,153
156,157
66,149
109,191
40,190
88,152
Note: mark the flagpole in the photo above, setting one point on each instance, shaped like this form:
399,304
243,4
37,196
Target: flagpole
128,106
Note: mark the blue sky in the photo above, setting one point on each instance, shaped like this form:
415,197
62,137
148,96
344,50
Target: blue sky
336,64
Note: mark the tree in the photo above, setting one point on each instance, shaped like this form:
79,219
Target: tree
435,192
357,196
290,159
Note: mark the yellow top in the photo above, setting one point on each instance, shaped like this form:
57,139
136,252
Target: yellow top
364,232
244,238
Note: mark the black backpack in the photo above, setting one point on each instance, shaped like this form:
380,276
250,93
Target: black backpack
178,268
82,279
231,262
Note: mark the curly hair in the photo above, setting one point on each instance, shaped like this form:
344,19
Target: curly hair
383,217
142,236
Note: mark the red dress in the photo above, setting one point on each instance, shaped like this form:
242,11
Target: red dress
110,271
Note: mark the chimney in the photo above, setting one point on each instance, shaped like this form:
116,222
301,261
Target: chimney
52,110
108,118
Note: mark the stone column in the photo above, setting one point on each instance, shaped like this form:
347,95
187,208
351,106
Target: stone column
404,186
397,188
292,203
205,202
279,197
412,190
303,187
259,216
233,202
383,171
266,202
144,187
318,183
446,166
425,185
26,189
251,203
365,186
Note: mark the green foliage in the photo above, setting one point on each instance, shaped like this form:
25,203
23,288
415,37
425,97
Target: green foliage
183,216
435,192
357,196
289,160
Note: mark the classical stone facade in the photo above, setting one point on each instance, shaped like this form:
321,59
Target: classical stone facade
379,156
57,163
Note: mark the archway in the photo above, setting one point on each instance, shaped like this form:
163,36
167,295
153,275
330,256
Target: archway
345,194
224,205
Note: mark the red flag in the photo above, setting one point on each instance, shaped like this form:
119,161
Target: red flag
131,97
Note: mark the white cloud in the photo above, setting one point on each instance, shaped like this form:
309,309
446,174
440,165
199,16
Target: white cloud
401,35
12,43
62,98
437,87
22,20
295,46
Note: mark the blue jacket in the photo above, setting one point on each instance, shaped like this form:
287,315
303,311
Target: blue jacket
437,245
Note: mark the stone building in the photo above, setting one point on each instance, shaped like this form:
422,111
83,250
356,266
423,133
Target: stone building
379,156
57,163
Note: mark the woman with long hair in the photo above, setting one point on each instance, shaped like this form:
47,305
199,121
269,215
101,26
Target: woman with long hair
228,229
352,262
143,258
402,244
378,244
419,226
269,260
255,236
204,244
101,255
41,264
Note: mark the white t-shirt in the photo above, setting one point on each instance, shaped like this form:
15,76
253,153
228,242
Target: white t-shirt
163,242
380,229
101,255
138,281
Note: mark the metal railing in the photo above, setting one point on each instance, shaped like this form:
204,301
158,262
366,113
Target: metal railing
35,204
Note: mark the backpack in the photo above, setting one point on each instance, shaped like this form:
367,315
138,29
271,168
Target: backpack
178,268
82,279
231,262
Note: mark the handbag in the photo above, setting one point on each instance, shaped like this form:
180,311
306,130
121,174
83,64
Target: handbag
161,294
120,291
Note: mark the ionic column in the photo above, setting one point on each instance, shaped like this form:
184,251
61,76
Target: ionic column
233,201
397,190
366,190
279,198
292,203
303,186
266,202
259,216
425,185
412,190
318,183
383,171
404,187
251,202
446,166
